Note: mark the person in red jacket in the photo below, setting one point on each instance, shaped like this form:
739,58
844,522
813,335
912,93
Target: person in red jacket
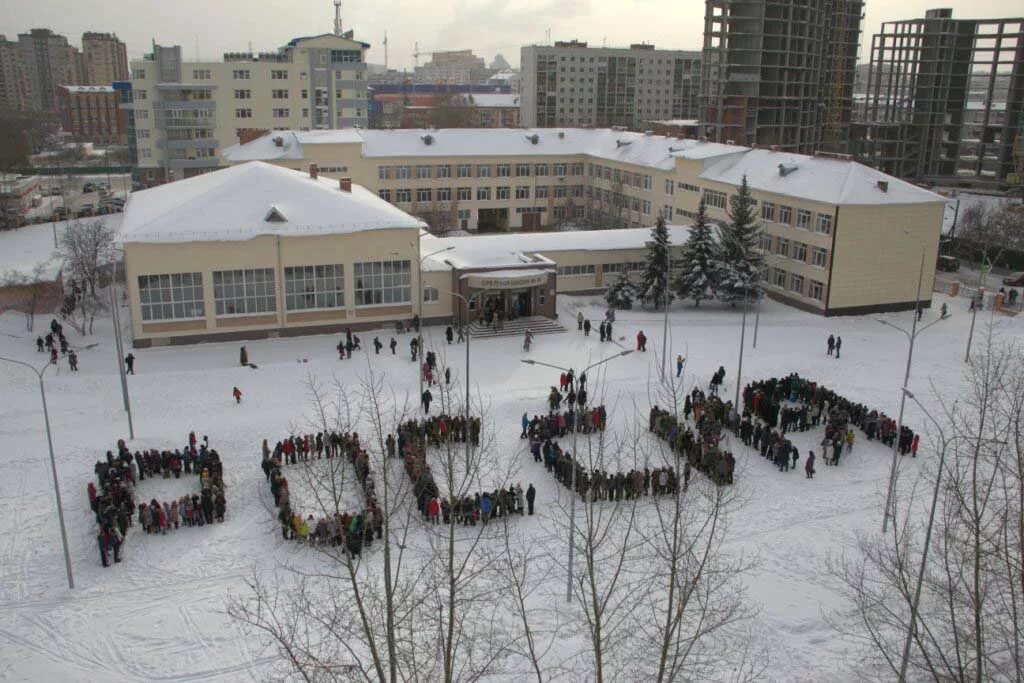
237,393
433,509
641,341
914,445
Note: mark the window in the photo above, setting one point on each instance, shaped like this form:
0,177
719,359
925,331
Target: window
312,287
444,171
503,192
243,113
688,187
541,192
444,194
819,257
423,172
403,196
778,277
670,187
483,194
383,283
403,172
384,194
145,153
142,133
278,94
561,191
647,183
786,215
540,169
279,75
645,207
577,168
796,283
766,243
715,199
465,214
522,191
138,74
178,296
244,292
816,290
666,212
559,170
824,224
504,170
522,170
240,74
576,271
782,246
139,95
280,113
464,194
799,251
483,171
768,211
803,219
430,294
423,194
383,173
201,74
243,94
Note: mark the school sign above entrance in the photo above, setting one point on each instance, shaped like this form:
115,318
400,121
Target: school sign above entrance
507,279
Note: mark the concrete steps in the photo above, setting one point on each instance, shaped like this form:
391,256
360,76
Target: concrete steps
517,328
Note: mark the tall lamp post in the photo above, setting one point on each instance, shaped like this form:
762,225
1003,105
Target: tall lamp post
911,337
419,310
575,455
904,661
53,465
119,346
739,368
468,337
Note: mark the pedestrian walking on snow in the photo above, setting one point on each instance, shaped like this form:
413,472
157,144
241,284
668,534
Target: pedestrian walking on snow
531,495
914,444
641,341
525,421
425,399
237,393
377,346
680,361
39,344
527,340
449,334
447,375
602,327
839,344
393,345
579,321
809,465
73,361
129,361
586,328
243,357
831,344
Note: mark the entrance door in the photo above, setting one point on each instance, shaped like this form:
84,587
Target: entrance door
531,222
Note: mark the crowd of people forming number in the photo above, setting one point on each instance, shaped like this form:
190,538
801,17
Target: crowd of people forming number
113,502
701,445
414,437
348,530
773,407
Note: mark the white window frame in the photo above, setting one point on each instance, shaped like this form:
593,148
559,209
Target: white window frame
250,291
324,282
389,279
173,290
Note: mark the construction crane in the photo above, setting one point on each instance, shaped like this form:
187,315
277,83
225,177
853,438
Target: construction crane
416,53
834,108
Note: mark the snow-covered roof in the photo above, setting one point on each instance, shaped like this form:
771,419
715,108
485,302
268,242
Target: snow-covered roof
235,204
287,144
493,99
819,179
531,248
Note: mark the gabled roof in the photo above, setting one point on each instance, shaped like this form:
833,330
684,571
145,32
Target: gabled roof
819,179
235,203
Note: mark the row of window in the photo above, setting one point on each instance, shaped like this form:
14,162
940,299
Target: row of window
465,194
520,170
614,175
797,283
570,271
179,296
797,251
784,215
245,74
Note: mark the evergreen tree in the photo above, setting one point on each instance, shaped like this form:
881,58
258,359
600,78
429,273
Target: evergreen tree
697,278
654,285
621,292
740,261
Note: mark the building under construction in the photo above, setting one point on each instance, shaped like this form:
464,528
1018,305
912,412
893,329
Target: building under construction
780,72
945,98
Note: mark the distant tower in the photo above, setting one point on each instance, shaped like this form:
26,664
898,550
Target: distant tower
337,17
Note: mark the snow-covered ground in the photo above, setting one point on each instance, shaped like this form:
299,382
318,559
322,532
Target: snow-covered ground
160,614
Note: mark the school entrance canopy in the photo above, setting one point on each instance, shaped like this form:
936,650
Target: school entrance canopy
508,279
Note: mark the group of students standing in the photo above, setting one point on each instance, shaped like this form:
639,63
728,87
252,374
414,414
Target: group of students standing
605,328
55,340
114,501
701,449
349,530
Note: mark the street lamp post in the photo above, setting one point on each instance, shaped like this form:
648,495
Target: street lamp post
419,310
911,337
739,368
53,465
119,347
468,337
911,630
575,455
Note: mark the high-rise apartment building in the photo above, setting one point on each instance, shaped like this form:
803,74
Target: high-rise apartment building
50,62
92,113
945,99
15,84
185,112
571,84
454,66
780,73
105,58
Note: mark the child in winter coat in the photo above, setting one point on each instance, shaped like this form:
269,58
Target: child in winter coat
173,520
809,465
914,444
187,510
237,393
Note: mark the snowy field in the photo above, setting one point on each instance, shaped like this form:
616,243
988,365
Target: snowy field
160,614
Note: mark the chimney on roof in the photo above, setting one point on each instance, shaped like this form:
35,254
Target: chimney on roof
278,141
314,172
345,184
883,185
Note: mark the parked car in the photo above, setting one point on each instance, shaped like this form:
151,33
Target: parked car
138,185
1014,280
85,210
89,187
103,192
950,264
59,213
54,191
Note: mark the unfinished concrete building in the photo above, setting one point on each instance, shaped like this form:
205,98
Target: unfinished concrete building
780,72
945,99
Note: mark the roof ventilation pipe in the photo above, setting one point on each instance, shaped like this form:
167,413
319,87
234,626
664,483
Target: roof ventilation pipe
883,185
786,169
345,184
428,140
534,139
314,172
278,141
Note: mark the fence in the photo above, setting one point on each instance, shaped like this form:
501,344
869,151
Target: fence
989,300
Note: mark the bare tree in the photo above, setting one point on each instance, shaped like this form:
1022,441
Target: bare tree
987,232
87,248
969,624
29,289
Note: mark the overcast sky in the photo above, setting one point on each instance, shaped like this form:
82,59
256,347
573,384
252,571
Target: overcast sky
487,26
